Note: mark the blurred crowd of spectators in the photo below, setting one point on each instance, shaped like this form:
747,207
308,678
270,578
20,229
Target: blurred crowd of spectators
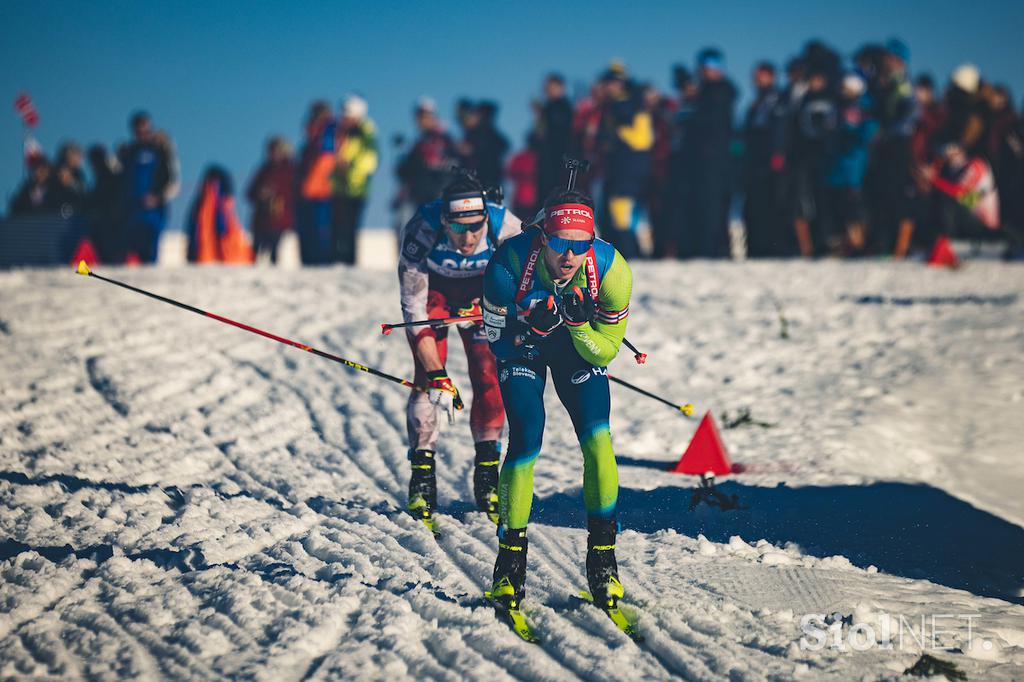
835,156
125,208
842,158
320,195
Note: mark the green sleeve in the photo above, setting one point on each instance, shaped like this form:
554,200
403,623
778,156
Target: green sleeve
598,342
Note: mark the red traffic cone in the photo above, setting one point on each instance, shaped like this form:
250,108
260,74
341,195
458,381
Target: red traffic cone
705,452
943,255
85,252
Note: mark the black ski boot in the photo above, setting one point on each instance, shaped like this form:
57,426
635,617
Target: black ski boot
509,585
485,478
603,576
602,569
423,488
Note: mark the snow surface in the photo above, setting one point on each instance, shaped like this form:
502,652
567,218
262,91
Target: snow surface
180,499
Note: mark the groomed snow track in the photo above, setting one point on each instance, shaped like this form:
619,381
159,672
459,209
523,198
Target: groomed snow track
179,499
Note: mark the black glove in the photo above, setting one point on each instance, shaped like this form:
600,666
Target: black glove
544,318
577,307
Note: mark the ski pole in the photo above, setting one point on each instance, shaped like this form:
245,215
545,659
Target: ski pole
386,329
640,358
686,409
83,269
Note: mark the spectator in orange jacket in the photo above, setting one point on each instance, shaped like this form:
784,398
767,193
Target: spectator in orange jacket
522,172
215,233
316,166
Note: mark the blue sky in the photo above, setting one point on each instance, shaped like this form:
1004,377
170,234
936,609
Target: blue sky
221,77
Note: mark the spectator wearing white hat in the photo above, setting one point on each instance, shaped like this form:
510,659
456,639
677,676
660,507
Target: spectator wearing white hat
356,163
963,115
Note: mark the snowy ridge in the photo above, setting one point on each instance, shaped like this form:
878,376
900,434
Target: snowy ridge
184,500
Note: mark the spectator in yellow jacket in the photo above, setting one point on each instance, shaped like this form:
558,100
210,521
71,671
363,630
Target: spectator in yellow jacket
356,163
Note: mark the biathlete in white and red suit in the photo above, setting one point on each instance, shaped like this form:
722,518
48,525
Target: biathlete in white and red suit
444,251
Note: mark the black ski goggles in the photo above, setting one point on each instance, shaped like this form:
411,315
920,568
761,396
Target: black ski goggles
578,246
460,228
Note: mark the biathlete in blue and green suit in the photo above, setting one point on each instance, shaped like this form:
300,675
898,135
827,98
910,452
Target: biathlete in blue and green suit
557,300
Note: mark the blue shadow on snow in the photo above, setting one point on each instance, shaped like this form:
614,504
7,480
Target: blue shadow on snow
911,530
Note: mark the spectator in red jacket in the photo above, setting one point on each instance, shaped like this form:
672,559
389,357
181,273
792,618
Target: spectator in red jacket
522,172
427,167
272,195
